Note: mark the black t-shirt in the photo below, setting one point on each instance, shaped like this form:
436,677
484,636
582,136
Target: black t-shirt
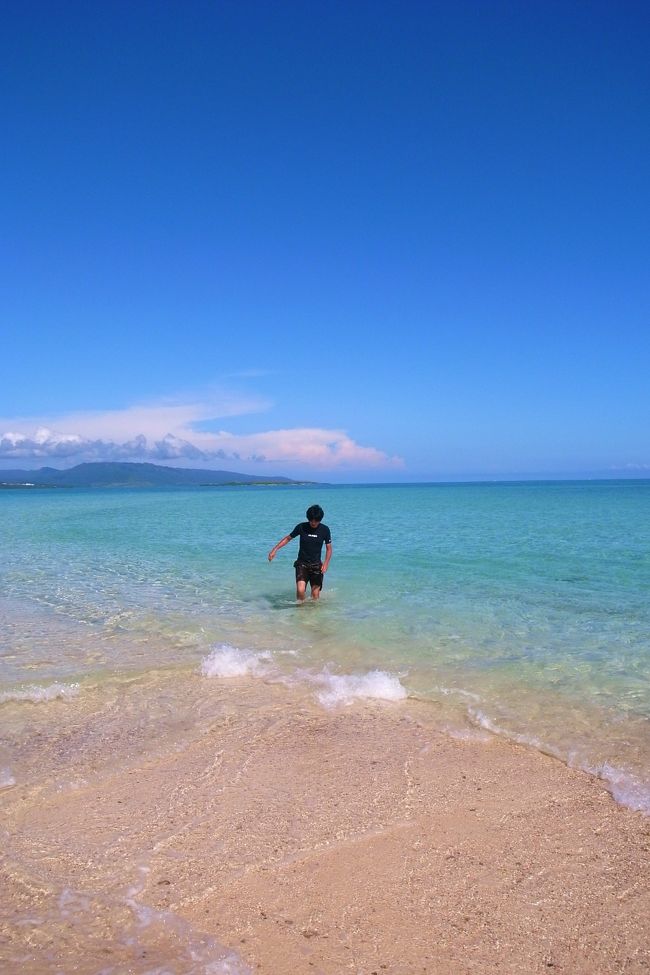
311,541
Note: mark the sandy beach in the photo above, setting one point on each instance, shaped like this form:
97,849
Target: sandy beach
285,839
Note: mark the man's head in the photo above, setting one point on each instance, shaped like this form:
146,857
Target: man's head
315,515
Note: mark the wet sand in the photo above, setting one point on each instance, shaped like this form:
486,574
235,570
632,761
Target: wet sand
288,840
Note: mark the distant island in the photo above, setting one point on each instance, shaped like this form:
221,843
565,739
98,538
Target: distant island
114,475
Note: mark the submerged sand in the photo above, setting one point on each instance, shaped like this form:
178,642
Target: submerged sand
288,840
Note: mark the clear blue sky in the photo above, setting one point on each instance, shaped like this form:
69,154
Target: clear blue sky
357,240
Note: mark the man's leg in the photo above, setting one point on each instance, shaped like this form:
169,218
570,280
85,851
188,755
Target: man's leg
316,583
301,585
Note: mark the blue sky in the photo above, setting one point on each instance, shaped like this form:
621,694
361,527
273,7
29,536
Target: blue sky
357,241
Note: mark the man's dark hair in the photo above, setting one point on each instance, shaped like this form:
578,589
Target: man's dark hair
315,513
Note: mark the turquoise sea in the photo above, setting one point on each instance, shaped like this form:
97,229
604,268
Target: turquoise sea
515,609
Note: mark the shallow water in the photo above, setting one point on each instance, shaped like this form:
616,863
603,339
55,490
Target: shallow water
515,609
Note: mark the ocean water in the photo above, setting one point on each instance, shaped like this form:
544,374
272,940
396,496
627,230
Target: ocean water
518,610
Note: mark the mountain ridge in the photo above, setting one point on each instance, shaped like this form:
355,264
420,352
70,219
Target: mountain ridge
129,474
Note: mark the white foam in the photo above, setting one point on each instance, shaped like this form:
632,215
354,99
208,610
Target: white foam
228,661
531,741
197,952
203,953
37,694
626,788
6,778
346,688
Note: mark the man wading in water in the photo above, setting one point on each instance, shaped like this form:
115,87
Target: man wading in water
308,565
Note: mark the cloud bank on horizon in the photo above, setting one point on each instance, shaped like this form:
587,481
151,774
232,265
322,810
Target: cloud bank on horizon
167,432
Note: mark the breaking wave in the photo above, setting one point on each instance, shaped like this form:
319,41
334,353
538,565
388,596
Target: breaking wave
345,688
228,661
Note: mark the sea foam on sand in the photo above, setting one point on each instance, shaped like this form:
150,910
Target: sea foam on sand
37,695
625,787
228,661
224,660
345,688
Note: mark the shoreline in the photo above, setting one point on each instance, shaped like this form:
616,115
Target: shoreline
452,711
282,838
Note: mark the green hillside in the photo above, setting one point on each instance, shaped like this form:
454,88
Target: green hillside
110,474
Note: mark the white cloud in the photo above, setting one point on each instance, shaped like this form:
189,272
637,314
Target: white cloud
166,432
153,420
310,446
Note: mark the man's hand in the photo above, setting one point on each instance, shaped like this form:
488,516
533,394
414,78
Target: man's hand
276,548
323,568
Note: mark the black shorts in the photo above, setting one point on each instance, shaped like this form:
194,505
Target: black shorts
309,572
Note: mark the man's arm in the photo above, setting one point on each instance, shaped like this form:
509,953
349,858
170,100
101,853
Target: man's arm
328,556
274,551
